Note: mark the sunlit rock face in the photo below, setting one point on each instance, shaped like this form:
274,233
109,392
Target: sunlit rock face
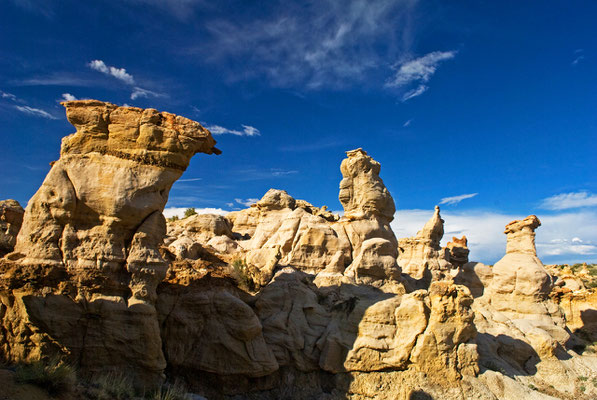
99,208
97,223
421,257
368,210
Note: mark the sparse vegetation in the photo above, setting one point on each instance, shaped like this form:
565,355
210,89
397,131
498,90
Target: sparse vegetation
582,388
175,391
532,387
189,212
241,274
582,378
173,218
54,376
113,385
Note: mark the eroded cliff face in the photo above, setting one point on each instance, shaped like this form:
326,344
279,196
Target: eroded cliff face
95,226
280,300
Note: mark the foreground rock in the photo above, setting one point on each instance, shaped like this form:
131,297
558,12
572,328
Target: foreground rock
281,300
86,264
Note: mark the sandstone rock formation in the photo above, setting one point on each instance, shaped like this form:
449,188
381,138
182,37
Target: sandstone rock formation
458,251
280,300
421,257
96,222
11,219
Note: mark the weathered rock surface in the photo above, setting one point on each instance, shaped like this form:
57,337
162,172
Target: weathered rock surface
281,300
11,219
96,223
422,257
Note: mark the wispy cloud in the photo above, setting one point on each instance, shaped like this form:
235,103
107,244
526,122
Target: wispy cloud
566,201
247,130
407,123
36,112
118,73
56,79
246,202
315,44
251,174
419,71
457,199
8,96
140,92
189,180
68,97
578,56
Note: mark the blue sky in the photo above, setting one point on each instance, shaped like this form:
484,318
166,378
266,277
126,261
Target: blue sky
494,100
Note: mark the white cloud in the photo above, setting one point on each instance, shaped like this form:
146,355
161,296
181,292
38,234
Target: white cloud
9,96
68,97
35,112
325,43
419,90
566,201
118,73
189,180
247,130
487,242
140,92
407,123
246,202
457,199
169,212
419,69
577,60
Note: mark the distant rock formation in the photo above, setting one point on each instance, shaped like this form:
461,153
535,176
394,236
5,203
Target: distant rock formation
11,219
421,257
458,251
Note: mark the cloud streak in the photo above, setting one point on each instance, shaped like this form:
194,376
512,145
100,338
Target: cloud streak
36,112
247,130
246,202
567,201
118,73
457,199
419,71
316,44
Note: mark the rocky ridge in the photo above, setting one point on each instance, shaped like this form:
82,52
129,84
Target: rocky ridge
283,299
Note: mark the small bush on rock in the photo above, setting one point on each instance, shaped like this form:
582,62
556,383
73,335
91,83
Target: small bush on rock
55,376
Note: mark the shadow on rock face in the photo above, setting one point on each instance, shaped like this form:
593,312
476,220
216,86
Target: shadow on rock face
505,354
419,395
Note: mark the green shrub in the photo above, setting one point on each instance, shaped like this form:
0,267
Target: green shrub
114,386
582,388
189,212
241,274
582,378
54,376
173,218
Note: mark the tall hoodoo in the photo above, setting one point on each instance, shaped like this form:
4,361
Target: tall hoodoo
100,206
362,192
368,211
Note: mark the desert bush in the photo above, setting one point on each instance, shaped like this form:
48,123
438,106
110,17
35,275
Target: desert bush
54,376
173,218
189,212
175,391
114,386
241,274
